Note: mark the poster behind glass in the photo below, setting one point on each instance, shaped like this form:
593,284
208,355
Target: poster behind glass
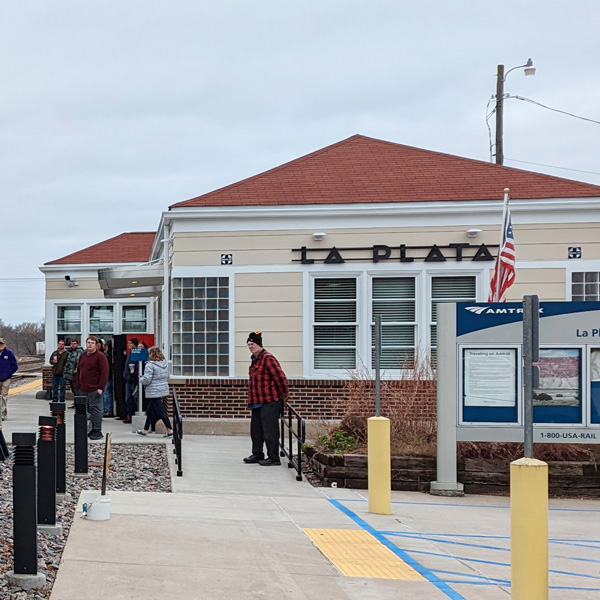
558,397
595,384
489,385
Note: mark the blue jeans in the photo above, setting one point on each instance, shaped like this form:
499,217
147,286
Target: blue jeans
156,411
129,399
108,397
58,380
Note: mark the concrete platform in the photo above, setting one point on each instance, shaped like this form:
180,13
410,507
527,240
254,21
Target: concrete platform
231,530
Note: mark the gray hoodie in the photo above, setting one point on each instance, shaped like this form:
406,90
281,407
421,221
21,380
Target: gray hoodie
155,379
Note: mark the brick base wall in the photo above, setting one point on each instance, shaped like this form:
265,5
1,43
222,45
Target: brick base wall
313,398
322,399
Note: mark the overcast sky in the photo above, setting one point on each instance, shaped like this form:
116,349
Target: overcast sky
110,111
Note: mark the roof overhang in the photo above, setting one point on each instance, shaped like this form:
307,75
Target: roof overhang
128,281
147,291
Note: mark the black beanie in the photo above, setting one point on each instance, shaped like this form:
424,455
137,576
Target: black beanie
256,337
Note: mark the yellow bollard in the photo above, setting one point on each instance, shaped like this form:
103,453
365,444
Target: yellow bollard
379,466
529,529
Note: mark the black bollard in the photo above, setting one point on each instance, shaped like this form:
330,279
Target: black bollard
24,504
58,410
46,472
4,453
81,438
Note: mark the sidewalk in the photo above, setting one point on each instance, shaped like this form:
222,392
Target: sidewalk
232,530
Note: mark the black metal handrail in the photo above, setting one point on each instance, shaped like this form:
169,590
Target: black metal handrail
177,434
299,434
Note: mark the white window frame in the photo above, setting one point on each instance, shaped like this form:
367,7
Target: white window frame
386,275
89,318
314,324
122,310
230,322
61,334
429,293
423,287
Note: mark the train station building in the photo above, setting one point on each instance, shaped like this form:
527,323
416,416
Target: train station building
308,252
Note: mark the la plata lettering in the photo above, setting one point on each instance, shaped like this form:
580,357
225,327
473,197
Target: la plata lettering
583,333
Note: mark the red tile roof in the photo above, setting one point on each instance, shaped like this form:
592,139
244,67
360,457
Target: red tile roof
362,169
125,248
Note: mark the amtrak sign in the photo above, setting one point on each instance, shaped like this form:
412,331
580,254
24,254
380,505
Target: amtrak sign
479,351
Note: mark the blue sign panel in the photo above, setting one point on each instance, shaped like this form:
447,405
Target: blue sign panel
138,354
489,333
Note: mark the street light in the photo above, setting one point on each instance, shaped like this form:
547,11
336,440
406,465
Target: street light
529,69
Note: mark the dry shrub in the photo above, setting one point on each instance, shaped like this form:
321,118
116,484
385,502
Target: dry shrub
509,451
402,402
413,431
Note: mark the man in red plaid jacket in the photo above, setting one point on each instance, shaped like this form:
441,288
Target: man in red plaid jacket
267,391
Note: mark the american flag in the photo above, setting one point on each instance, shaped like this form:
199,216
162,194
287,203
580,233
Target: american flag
504,269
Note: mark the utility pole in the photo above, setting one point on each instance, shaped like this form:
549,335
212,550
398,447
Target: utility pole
499,115
529,69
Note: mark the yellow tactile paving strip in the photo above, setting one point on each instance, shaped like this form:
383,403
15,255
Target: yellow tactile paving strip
357,553
26,387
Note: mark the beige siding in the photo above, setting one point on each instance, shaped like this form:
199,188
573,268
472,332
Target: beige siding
534,242
57,289
548,284
271,302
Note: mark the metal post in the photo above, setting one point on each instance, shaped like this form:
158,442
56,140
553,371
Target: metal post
46,472
300,440
58,410
4,453
377,365
500,116
81,439
530,369
140,388
24,504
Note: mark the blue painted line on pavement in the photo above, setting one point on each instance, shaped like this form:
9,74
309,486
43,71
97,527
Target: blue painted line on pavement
409,560
452,542
460,535
455,505
575,542
439,539
497,563
473,576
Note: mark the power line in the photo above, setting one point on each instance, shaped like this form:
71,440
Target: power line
552,166
487,122
21,278
564,112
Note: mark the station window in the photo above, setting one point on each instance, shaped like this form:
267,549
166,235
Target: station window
585,287
394,299
135,319
335,323
68,322
201,326
102,319
444,290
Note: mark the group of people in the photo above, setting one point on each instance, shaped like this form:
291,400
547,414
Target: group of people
89,373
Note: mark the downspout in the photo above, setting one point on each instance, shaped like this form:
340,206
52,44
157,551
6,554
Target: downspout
165,298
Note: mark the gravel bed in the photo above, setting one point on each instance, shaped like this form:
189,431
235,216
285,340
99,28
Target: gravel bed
134,468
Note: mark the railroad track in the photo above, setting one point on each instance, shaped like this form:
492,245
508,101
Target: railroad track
29,367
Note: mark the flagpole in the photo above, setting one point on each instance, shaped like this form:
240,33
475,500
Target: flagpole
497,267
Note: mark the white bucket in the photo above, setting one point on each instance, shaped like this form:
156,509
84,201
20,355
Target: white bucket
97,507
